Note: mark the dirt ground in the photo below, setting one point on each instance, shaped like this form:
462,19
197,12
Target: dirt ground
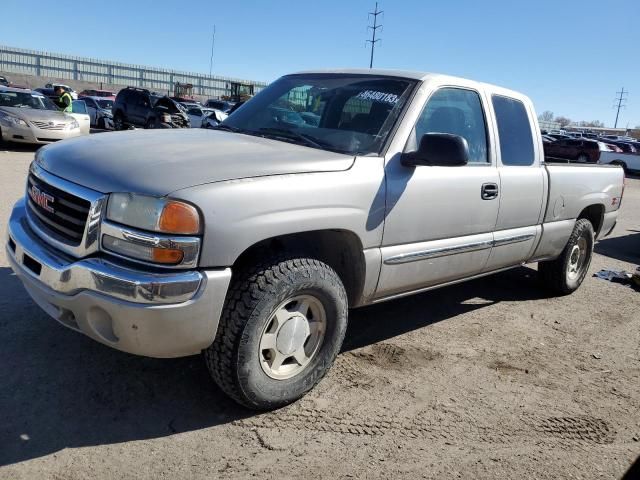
488,379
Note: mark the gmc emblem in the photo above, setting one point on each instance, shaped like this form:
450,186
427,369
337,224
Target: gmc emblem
41,198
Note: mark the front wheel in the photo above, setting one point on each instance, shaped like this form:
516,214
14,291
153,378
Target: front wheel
583,158
281,329
567,272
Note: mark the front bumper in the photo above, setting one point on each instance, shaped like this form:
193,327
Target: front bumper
155,314
34,135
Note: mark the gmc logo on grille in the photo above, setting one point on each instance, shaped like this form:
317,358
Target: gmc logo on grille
41,198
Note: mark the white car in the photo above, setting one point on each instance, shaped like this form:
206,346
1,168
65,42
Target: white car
71,91
80,113
198,115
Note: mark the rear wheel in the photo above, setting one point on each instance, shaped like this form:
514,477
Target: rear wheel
281,329
567,272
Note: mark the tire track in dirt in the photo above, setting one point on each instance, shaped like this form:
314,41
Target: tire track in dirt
582,430
364,369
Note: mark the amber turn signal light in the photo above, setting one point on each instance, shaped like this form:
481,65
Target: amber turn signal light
178,217
167,255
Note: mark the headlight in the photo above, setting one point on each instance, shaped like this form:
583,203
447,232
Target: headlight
72,126
10,120
153,214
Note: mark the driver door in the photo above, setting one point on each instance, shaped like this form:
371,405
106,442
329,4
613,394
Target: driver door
440,220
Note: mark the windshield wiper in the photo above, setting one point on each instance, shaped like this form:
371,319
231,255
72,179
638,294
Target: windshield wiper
307,140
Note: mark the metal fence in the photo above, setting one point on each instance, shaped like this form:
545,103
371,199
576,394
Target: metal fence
45,64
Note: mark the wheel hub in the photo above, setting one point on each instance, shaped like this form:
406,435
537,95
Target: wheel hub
577,259
292,335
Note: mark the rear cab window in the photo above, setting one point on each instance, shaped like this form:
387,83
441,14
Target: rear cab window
514,131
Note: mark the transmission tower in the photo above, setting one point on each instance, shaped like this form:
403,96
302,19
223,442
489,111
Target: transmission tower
374,31
621,99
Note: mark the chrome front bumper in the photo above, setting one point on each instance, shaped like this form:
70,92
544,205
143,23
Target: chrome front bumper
134,310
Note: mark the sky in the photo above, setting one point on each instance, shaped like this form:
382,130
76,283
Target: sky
570,57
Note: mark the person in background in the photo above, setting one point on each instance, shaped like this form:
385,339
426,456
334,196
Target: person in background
65,102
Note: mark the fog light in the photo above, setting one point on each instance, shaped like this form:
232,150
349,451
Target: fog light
167,256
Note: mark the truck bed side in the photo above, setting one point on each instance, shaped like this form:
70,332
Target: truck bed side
575,191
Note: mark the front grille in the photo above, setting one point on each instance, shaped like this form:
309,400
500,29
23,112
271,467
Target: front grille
60,212
48,126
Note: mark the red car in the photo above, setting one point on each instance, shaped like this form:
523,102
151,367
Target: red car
580,150
97,93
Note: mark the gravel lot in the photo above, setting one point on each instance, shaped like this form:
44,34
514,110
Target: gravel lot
488,379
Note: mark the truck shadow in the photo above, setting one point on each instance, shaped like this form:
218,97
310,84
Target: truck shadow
625,248
381,322
62,390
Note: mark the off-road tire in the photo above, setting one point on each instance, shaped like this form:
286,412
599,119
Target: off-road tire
554,273
234,357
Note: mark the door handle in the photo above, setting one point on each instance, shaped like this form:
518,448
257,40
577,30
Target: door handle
489,191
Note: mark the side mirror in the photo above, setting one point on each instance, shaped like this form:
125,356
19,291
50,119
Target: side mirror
438,150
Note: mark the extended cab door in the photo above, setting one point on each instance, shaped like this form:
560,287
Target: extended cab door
523,181
439,220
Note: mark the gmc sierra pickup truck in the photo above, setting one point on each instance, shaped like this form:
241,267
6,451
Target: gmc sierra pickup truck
327,191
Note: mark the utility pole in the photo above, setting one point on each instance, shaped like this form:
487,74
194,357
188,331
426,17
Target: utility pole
374,30
213,41
620,98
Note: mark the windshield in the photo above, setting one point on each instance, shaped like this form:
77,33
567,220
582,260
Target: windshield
25,100
106,104
340,112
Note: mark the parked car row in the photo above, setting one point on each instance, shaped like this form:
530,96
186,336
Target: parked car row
606,149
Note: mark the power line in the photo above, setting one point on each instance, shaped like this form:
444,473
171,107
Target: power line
621,97
374,31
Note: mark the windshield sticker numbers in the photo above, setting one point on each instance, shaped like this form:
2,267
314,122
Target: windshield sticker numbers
374,96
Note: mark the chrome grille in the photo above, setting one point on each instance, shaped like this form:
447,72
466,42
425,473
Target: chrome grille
57,210
48,125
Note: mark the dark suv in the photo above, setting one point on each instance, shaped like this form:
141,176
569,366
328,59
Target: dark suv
138,107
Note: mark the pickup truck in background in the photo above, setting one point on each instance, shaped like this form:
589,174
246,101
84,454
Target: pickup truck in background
251,241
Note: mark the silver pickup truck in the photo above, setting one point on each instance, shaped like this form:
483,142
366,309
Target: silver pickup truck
327,191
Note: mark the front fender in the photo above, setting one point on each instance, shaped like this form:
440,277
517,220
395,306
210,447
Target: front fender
241,213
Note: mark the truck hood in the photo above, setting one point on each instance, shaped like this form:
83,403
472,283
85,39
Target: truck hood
158,162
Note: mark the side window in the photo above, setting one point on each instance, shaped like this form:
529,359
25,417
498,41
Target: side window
78,106
195,111
459,112
514,130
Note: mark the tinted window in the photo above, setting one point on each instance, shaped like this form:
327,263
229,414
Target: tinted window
345,113
455,111
514,129
78,106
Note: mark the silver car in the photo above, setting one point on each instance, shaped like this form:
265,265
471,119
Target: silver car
29,117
